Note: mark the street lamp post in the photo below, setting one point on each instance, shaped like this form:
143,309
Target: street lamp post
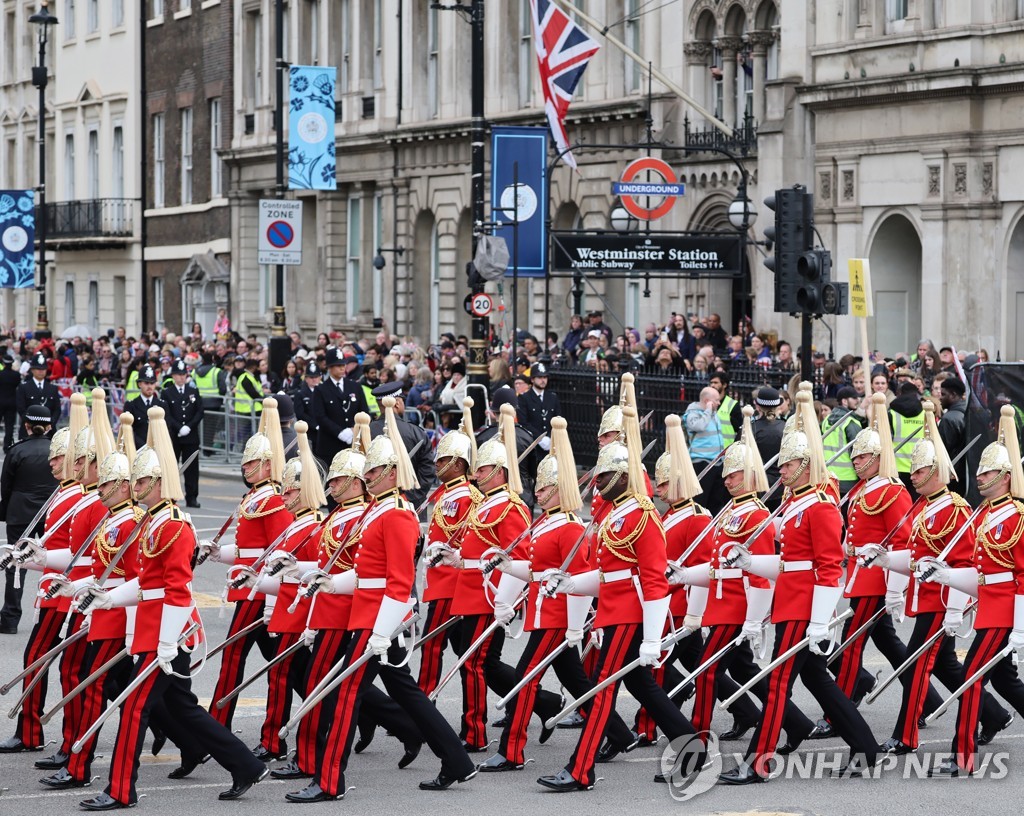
43,19
742,216
279,344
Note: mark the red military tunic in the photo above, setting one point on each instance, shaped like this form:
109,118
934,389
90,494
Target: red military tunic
876,506
551,540
109,624
331,611
385,558
296,539
811,551
498,519
938,521
727,595
70,493
999,561
89,512
631,558
453,502
683,522
166,547
262,517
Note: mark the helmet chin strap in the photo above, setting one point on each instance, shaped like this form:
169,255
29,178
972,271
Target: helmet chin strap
445,468
983,486
381,477
866,466
614,481
341,491
918,483
490,476
796,474
142,496
116,485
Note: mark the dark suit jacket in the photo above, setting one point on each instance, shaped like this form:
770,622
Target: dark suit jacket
25,483
29,393
535,415
137,408
182,410
335,410
422,460
10,380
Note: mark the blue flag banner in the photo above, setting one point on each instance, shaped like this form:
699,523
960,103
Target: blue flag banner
17,239
520,155
311,162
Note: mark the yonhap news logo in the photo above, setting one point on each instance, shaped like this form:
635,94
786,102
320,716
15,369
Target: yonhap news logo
691,765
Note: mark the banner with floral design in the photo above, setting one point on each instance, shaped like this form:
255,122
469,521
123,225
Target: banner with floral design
17,239
311,163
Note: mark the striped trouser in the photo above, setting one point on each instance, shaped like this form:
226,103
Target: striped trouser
72,661
94,698
328,649
232,665
44,636
282,681
432,652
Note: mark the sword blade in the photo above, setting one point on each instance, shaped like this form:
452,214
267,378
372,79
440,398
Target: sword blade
536,670
241,633
88,681
697,672
974,678
39,661
437,630
842,647
252,678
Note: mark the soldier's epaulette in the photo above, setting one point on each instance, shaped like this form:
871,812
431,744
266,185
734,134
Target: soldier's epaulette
138,514
177,514
823,496
402,503
894,481
760,503
572,518
700,510
644,501
959,501
515,498
475,494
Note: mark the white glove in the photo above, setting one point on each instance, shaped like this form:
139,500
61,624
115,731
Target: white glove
323,583
817,632
101,599
204,549
503,613
936,573
245,578
753,631
309,637
440,553
873,555
268,612
545,443
597,638
165,653
574,637
737,556
555,581
1017,639
30,550
60,586
675,573
379,644
692,622
346,437
184,430
952,621
894,603
282,562
496,556
650,652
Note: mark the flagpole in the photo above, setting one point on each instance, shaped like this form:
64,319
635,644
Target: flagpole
647,66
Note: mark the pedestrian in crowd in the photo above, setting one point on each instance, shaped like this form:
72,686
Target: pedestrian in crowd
10,379
953,425
704,428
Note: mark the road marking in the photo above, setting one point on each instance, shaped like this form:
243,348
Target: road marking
142,791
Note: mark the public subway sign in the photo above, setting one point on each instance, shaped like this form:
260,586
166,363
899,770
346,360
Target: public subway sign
657,253
648,199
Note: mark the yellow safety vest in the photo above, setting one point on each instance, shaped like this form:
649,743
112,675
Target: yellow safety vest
833,439
243,403
207,383
371,402
131,390
903,427
725,420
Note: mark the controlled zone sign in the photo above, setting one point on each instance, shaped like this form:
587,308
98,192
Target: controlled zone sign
280,232
636,195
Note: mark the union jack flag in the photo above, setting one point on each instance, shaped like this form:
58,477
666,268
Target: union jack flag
563,51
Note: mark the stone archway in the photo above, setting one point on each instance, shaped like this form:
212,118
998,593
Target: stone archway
895,257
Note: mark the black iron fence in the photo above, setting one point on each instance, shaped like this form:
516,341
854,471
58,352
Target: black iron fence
90,218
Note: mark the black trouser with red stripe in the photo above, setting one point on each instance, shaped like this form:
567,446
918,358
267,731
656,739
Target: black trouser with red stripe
95,696
432,652
398,681
44,636
378,709
71,674
622,645
484,670
940,659
283,680
812,670
687,653
176,694
1005,680
232,663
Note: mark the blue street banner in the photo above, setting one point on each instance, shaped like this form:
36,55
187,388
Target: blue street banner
17,239
520,155
311,161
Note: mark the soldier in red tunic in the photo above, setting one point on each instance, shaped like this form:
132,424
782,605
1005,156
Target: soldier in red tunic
807,574
938,523
162,592
735,602
996,578
453,501
632,606
381,584
262,518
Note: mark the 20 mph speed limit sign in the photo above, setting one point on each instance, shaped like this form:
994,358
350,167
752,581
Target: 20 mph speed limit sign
481,305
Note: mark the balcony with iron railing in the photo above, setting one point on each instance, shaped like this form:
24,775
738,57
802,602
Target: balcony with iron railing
742,142
88,223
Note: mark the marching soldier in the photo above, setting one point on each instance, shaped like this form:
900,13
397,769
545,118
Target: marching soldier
996,579
184,411
140,405
939,522
165,613
37,390
498,520
262,518
807,573
630,552
732,602
336,401
381,584
412,436
538,406
453,503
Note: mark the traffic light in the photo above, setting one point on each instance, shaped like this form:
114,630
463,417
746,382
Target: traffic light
791,235
818,293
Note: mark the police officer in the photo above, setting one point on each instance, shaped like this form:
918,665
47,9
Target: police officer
212,382
10,381
37,390
141,404
422,462
25,484
184,411
304,400
537,405
336,401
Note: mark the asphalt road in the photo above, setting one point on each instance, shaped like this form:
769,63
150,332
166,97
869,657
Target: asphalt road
626,785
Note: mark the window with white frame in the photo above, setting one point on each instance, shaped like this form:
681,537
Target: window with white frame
11,162
433,63
313,32
158,8
94,305
896,10
69,302
378,44
116,13
185,116
69,167
378,238
435,282
526,54
344,45
216,165
631,33
117,162
158,302
158,160
184,5
353,250
93,165
92,16
69,19
252,81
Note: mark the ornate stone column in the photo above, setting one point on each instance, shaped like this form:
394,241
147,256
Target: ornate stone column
760,42
697,54
730,46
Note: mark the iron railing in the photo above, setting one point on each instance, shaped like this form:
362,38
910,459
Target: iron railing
743,140
90,218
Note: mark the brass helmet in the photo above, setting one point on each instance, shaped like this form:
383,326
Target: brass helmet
267,444
612,458
559,467
291,474
930,452
790,425
59,443
611,420
350,462
804,443
460,443
500,450
662,468
1003,455
145,464
744,456
301,473
115,467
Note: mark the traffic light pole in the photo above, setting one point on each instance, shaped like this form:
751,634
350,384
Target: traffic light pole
477,368
806,363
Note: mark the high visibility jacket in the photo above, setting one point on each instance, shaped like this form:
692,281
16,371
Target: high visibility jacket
208,383
903,427
131,390
243,403
725,420
833,440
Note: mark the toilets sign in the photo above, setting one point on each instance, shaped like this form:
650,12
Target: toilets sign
280,232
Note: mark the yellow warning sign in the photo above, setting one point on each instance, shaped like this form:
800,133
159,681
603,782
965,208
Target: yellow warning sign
860,287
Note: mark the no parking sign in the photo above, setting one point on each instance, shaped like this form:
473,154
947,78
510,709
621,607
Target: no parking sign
280,232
